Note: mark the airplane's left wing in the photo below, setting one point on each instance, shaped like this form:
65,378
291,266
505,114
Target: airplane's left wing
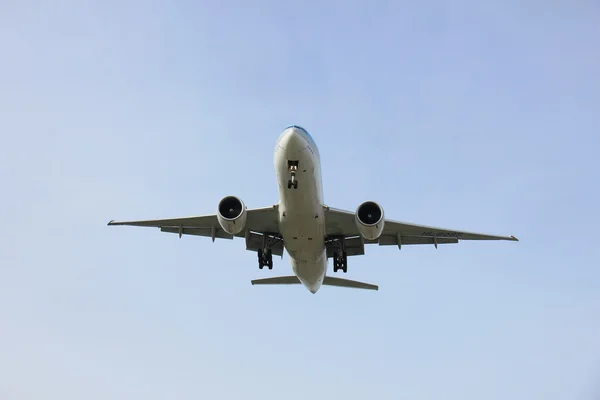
260,220
341,224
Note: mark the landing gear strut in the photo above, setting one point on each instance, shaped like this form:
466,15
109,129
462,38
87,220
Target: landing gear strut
340,262
293,168
265,259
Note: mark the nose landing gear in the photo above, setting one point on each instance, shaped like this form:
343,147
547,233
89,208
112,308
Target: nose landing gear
293,168
293,182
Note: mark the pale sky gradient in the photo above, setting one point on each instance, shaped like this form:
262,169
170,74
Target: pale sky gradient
468,115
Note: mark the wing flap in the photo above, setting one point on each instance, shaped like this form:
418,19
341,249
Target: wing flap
254,242
201,231
386,240
353,246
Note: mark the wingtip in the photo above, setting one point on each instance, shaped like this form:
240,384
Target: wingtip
110,222
514,238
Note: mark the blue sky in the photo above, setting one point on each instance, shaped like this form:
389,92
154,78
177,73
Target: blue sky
466,115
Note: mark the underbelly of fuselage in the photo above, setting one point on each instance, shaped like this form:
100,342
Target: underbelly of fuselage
301,216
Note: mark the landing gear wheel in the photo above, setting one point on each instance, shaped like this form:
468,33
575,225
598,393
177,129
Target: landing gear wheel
293,183
335,262
260,259
265,259
340,262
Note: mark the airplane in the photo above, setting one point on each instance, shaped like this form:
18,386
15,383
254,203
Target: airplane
310,231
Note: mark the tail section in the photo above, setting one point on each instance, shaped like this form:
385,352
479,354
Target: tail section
328,281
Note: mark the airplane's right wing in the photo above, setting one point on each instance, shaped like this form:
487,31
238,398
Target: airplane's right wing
261,223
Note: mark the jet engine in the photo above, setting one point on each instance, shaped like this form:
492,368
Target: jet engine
231,214
369,220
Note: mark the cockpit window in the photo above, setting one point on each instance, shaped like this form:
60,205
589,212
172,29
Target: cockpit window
311,140
297,127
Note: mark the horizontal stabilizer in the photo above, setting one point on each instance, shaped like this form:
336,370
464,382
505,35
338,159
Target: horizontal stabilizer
331,281
328,281
278,280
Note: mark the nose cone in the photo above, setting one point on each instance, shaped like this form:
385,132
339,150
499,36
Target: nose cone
293,139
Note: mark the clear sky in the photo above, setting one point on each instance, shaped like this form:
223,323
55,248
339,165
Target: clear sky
469,115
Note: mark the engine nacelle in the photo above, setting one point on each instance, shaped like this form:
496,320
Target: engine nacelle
231,214
369,220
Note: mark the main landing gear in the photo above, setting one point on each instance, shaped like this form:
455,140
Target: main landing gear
265,259
293,168
340,261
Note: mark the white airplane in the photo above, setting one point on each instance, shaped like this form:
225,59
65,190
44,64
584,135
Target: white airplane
310,231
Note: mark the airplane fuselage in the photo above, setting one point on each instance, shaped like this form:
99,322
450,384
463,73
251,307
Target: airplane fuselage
301,211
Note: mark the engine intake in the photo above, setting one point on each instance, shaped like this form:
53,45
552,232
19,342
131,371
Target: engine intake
231,214
370,220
